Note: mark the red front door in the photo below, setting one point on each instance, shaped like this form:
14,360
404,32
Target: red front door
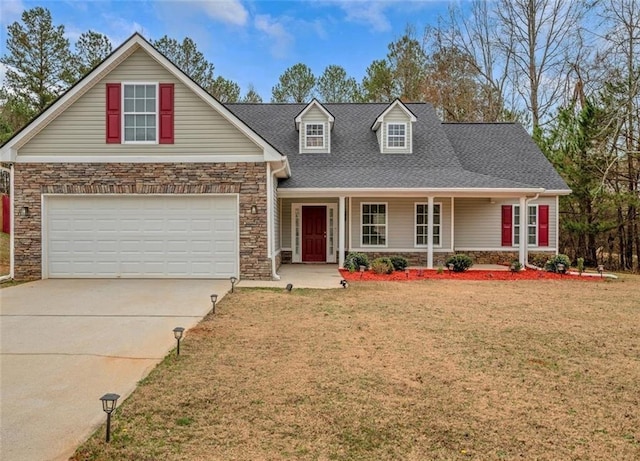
314,234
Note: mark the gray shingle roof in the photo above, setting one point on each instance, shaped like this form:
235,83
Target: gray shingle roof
444,155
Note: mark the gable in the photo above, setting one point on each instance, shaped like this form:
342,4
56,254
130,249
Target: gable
312,118
199,128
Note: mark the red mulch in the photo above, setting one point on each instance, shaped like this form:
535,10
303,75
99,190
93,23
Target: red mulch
422,274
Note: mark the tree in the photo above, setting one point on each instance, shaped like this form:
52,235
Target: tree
296,84
475,34
540,38
224,90
453,85
188,58
407,59
378,85
91,49
251,96
38,61
334,86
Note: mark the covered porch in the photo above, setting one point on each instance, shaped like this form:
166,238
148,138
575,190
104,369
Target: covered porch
426,229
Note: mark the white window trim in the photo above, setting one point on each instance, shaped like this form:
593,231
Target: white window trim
516,225
386,225
324,130
415,224
386,135
157,113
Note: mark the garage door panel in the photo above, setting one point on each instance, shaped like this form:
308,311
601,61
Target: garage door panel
141,236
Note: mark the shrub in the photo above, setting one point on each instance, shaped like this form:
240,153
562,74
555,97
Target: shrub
399,263
580,263
461,262
516,266
382,266
353,261
552,263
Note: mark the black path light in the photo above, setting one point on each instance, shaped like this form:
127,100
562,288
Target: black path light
109,402
214,299
177,333
600,270
233,281
344,283
362,269
561,268
450,266
289,287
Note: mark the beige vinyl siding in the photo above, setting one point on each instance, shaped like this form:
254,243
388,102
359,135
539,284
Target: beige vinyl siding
285,216
314,115
400,223
396,115
199,129
478,222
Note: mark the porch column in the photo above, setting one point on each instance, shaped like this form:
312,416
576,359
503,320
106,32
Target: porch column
429,232
524,211
341,231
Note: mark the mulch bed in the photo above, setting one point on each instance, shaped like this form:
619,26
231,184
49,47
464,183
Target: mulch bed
423,274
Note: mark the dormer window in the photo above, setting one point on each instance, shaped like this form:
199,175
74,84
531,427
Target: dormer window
394,129
396,135
314,135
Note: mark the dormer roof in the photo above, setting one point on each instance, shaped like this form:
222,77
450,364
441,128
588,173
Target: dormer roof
314,103
397,103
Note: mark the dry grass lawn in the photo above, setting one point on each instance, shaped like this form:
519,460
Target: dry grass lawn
428,370
4,253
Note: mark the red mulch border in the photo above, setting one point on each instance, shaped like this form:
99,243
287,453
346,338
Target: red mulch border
432,274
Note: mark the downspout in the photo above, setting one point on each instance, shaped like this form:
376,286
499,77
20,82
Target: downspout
11,224
272,243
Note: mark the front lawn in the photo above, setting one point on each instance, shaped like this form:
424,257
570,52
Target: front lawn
404,371
4,254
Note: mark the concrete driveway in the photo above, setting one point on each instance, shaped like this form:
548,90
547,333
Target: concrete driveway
65,343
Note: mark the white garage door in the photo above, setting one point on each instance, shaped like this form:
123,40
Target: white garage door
141,236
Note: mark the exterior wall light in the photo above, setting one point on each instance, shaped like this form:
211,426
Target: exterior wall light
109,402
24,211
177,333
254,209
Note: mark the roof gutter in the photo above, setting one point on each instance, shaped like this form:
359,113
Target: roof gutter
404,191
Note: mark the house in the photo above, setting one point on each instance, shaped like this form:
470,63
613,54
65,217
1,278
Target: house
137,172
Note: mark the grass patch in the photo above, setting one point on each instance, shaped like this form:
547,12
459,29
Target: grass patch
427,370
4,254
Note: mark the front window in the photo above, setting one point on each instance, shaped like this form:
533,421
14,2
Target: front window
314,135
422,221
396,135
374,224
532,225
140,113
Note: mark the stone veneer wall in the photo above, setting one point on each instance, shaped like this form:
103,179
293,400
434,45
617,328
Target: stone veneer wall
246,179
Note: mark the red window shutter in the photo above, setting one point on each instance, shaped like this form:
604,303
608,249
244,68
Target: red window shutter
543,225
166,113
507,225
113,113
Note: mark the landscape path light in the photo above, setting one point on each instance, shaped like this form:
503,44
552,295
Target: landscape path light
214,299
233,281
109,402
600,270
177,333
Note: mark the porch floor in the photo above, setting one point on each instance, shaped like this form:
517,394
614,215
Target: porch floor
325,276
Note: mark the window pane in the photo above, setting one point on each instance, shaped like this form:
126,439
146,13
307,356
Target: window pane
140,134
128,91
128,105
128,134
151,105
151,134
151,120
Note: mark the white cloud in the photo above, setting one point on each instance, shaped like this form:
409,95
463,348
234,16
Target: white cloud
229,11
10,11
3,73
371,13
276,31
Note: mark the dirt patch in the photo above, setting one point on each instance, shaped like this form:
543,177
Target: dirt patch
394,371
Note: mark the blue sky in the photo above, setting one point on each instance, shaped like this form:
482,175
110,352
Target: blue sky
249,41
